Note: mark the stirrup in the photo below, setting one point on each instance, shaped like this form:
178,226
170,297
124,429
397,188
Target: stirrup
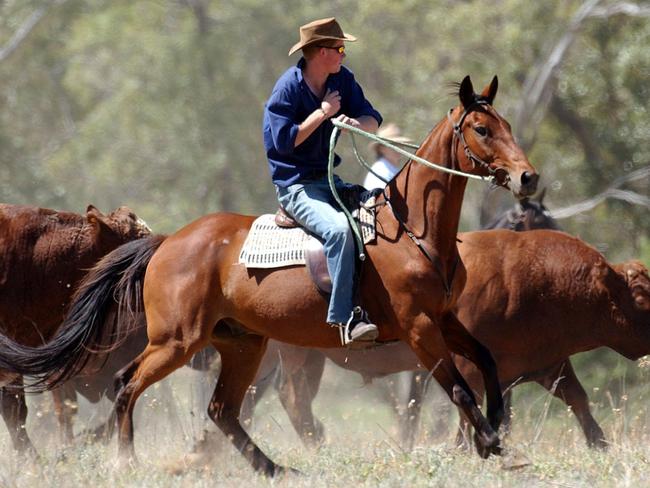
345,330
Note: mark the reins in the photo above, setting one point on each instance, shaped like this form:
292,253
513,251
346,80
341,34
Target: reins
458,136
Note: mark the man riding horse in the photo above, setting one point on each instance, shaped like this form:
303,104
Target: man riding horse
297,132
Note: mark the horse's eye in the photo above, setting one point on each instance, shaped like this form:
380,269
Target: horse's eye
480,130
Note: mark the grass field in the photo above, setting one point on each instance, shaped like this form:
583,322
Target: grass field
546,447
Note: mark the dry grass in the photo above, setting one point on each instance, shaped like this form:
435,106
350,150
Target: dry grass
362,446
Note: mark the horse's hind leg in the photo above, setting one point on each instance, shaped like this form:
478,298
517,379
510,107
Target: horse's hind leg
14,413
152,365
301,374
410,418
65,408
566,386
463,343
240,358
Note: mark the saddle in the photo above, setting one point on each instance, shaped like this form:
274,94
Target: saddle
278,240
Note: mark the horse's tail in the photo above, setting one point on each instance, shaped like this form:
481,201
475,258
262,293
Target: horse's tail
113,288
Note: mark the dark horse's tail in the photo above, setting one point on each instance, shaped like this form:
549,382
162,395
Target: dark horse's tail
112,289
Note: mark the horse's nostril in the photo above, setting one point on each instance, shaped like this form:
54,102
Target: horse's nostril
529,181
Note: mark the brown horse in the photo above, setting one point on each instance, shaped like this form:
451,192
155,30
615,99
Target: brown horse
195,294
532,317
570,301
302,368
45,254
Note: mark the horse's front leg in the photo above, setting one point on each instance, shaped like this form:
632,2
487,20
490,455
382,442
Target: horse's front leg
429,345
463,343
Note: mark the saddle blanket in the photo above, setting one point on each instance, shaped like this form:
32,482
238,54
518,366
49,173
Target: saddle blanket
270,246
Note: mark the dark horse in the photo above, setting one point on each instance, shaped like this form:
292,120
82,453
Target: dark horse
526,214
195,294
44,254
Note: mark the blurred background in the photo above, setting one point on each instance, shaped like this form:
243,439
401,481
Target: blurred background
158,105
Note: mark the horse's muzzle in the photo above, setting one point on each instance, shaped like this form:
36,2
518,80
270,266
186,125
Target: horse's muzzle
528,183
522,184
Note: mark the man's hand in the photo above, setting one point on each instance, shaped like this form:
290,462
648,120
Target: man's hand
331,104
349,120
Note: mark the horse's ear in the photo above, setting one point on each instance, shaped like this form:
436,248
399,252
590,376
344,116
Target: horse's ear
489,92
466,92
542,194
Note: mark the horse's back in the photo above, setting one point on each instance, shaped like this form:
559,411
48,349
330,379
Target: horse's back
536,255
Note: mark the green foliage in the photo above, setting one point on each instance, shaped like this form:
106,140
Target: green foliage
158,105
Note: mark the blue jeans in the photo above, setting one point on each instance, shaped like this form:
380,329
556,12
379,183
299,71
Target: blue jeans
312,205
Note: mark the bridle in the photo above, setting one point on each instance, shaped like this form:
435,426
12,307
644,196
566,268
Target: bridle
459,137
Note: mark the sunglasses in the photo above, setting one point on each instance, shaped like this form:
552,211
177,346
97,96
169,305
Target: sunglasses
339,49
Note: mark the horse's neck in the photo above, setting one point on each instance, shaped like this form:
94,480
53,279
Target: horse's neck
430,200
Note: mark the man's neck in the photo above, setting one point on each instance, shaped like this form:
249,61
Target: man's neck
315,77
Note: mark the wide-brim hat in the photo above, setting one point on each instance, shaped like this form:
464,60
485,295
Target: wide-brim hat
321,30
392,133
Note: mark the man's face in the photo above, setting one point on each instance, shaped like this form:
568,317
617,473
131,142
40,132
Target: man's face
333,57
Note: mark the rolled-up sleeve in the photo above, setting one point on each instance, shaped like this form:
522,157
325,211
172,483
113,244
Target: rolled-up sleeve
281,116
358,105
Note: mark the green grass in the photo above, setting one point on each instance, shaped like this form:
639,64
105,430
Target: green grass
362,446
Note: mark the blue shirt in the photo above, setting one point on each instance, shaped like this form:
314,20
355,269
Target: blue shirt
290,103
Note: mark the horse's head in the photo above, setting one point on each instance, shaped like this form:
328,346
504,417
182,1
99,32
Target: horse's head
120,225
485,142
530,214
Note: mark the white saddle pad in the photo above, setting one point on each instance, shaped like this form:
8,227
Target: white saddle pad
270,246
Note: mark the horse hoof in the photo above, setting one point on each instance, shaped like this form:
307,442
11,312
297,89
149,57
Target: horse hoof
487,444
599,443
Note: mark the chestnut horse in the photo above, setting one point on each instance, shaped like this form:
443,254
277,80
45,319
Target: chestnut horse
195,294
302,368
45,253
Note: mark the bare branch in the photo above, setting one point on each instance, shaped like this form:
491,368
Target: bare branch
611,192
22,32
621,8
538,87
25,29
